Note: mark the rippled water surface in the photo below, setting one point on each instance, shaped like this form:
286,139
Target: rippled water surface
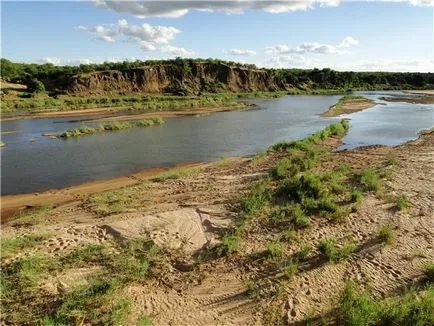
32,162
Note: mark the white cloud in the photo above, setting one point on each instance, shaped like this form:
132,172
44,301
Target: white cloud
146,32
242,52
313,47
147,37
175,9
173,50
54,61
347,42
277,49
179,8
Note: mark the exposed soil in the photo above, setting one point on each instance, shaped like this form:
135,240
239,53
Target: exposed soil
349,106
187,214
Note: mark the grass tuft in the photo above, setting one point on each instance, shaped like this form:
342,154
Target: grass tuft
387,234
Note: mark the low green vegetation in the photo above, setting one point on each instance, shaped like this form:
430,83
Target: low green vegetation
338,108
274,250
251,288
35,215
370,181
429,272
99,300
357,307
109,202
401,203
329,248
173,174
387,234
112,126
13,245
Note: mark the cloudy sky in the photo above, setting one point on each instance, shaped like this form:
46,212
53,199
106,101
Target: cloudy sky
388,35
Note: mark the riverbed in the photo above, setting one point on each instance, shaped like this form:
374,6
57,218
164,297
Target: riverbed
34,163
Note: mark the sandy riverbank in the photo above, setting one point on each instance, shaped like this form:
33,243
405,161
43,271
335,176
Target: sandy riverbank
187,215
348,105
113,114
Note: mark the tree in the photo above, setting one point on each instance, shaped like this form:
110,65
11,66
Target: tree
35,86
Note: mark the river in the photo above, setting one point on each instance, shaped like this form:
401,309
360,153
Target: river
31,162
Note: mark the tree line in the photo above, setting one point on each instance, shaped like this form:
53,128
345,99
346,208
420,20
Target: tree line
49,74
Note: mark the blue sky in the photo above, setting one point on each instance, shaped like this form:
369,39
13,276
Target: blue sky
344,35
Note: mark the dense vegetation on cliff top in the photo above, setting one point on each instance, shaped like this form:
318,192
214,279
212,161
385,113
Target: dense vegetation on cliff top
296,78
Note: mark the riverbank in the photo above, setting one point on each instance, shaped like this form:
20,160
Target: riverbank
349,104
227,242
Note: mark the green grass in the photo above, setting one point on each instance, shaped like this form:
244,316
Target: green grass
144,320
292,215
132,102
386,234
251,289
357,307
429,272
14,245
329,248
401,203
303,251
33,215
173,174
111,126
275,250
229,244
110,202
257,198
370,181
290,270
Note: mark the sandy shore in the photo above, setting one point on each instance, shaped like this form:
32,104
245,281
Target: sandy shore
188,215
426,92
11,204
114,115
349,106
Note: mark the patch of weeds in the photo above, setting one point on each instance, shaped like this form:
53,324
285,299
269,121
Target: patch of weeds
290,270
290,214
34,215
13,245
391,160
370,181
258,197
258,158
289,236
356,197
251,289
120,311
401,203
274,250
143,320
329,248
303,252
359,308
228,245
92,254
387,234
110,202
173,174
429,272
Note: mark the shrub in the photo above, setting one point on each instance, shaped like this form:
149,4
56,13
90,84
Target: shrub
356,196
370,181
328,247
290,214
251,289
290,270
402,203
274,250
303,251
359,308
35,86
386,234
229,244
256,199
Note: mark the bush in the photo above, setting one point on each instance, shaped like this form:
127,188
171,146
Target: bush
229,244
274,250
358,308
370,181
401,203
386,234
256,199
35,86
328,247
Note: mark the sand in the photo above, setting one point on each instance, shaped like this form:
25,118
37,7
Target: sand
190,213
